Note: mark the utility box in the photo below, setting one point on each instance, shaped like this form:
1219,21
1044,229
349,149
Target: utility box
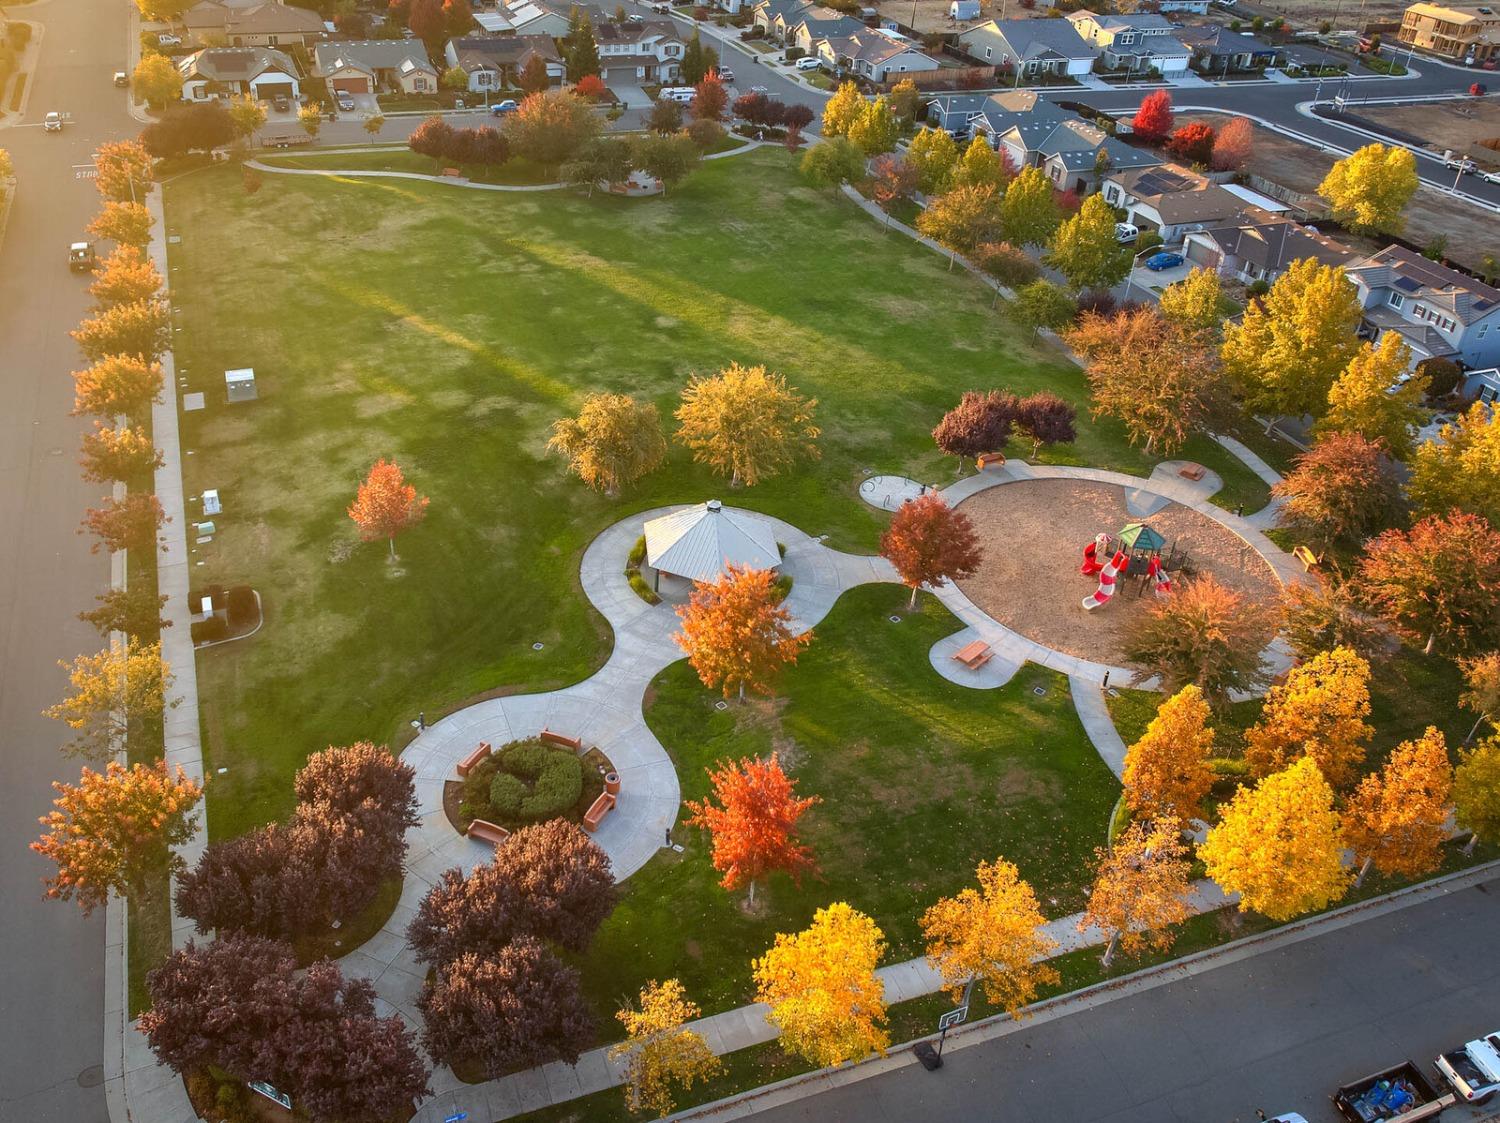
211,501
239,385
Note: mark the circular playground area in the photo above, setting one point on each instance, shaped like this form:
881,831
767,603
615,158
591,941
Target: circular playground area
1034,534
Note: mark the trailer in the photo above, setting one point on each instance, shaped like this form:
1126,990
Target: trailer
1400,1092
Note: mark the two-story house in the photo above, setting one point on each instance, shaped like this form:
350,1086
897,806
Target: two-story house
492,63
212,24
1136,42
877,56
368,66
817,24
1034,46
543,17
256,72
1440,312
648,51
1467,33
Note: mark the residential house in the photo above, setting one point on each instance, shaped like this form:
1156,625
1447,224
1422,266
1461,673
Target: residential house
766,16
1070,156
1196,7
1032,132
648,51
961,11
1170,199
1467,33
1260,245
1036,46
542,17
492,63
1217,50
874,55
1135,42
1481,386
1440,312
213,24
258,72
818,24
369,66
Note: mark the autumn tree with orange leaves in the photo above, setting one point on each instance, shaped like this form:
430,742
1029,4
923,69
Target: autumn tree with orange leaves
1396,820
1140,889
123,453
1166,772
125,276
113,828
117,385
929,542
386,504
131,523
735,633
754,826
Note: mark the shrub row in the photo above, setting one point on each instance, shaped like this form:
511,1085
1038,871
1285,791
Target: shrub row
535,782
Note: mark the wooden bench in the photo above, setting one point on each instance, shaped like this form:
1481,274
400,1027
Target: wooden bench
453,172
574,743
601,807
1308,559
485,831
990,460
470,762
1191,471
975,655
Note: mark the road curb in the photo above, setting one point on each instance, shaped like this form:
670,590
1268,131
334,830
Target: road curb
813,1083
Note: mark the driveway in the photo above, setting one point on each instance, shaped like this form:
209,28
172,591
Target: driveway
1154,281
631,95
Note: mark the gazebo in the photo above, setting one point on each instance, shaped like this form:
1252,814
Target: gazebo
699,543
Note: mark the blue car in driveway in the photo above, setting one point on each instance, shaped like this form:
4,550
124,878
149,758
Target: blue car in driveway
1159,261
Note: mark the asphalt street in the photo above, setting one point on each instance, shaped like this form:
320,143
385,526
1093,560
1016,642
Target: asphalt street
1277,1031
51,959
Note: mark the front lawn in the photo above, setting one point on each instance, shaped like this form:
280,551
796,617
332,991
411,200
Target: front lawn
448,329
920,779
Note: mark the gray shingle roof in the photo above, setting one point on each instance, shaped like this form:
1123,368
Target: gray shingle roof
1438,285
372,55
1027,39
235,64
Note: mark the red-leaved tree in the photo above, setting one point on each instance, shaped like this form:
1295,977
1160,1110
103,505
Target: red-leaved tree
1193,142
709,99
131,523
518,1008
590,86
1437,581
980,423
929,542
1233,145
386,504
754,825
1047,420
1153,120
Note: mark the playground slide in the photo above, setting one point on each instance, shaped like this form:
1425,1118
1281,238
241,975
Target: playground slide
1107,576
1091,563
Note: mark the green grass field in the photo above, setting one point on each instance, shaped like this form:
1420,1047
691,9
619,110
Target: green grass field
921,779
448,329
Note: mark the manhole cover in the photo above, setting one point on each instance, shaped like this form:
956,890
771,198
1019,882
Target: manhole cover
91,1077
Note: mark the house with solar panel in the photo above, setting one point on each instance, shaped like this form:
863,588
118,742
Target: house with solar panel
1440,312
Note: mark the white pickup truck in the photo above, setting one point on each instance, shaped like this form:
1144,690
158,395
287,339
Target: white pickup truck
1474,1069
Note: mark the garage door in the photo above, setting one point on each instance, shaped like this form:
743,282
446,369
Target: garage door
351,85
620,74
268,90
1199,254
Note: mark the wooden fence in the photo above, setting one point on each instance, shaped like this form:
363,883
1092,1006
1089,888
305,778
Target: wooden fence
958,77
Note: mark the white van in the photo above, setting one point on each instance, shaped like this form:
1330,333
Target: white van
683,94
1125,233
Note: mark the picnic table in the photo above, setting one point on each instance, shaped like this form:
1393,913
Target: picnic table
974,655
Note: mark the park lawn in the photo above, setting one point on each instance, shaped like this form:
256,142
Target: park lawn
515,172
448,329
921,779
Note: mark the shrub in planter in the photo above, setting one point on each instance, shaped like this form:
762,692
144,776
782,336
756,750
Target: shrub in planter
643,590
781,587
1258,288
242,606
794,53
207,631
1010,266
638,552
535,782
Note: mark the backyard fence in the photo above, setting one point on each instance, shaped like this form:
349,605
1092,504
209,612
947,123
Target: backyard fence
957,76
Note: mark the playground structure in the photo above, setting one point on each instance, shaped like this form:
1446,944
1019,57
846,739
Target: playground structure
1136,542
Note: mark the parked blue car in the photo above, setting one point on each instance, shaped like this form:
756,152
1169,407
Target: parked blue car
1157,262
501,108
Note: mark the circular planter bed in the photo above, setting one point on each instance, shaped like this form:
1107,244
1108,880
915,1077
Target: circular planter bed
527,782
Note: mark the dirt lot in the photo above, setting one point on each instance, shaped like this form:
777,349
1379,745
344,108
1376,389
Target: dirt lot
932,15
1471,232
1456,125
1034,534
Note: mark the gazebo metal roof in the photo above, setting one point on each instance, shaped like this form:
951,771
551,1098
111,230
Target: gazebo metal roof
1139,536
703,541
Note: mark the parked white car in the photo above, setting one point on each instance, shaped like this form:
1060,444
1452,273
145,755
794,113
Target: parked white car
809,62
169,40
52,123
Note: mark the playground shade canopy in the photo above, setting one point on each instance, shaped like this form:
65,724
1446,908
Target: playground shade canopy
703,541
1139,536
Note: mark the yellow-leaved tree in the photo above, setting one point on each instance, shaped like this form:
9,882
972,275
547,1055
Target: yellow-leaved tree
1279,845
114,693
844,108
660,1052
822,989
1366,399
614,440
1476,792
992,935
1195,302
1396,820
1368,189
746,423
1140,889
1166,772
1482,693
1319,711
1461,468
